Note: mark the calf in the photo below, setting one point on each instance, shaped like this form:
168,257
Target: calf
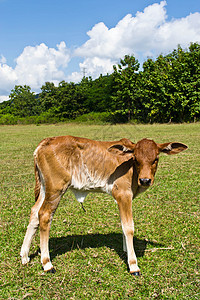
121,168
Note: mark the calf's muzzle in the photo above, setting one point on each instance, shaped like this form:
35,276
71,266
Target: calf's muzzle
145,181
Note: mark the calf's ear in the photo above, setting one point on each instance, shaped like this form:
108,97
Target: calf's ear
172,148
122,149
119,149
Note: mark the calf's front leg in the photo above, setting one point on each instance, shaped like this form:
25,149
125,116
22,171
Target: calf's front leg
124,202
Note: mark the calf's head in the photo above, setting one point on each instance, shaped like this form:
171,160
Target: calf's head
146,155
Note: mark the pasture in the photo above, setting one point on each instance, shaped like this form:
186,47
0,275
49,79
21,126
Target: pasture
86,247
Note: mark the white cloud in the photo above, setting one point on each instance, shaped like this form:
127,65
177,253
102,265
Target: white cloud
2,59
93,66
4,98
179,31
75,77
39,64
34,67
148,33
130,35
7,78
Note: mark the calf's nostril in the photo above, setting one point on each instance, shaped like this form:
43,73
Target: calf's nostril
145,181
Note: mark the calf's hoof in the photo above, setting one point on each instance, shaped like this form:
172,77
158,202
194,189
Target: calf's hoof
53,271
138,273
25,260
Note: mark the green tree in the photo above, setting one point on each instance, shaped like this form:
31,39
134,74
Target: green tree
48,96
167,89
171,86
154,81
185,76
125,77
23,102
194,88
97,93
69,100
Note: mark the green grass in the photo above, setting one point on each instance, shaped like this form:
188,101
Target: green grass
86,248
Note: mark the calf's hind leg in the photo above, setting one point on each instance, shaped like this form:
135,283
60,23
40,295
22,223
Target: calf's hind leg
32,227
46,213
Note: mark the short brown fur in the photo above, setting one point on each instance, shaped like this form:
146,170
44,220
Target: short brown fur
120,168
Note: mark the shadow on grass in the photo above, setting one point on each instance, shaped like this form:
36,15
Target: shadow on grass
61,245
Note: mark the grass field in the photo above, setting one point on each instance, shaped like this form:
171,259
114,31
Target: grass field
86,247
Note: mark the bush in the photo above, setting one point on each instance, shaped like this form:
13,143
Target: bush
8,119
117,116
93,118
46,117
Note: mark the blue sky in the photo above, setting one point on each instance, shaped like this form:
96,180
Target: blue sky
55,40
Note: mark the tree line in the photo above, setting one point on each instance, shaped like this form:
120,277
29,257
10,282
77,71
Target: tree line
167,89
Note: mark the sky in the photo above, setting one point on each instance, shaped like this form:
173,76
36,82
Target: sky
48,40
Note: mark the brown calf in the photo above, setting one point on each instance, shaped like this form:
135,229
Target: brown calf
122,169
